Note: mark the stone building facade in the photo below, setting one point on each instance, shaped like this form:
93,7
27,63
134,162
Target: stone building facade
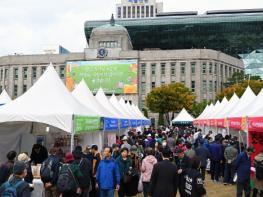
202,70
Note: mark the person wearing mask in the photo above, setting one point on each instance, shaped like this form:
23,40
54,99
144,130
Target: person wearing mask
192,181
6,169
125,165
29,177
258,179
107,175
163,182
38,154
85,168
16,182
125,143
96,158
203,154
216,152
49,173
146,170
69,178
182,163
243,165
230,155
116,151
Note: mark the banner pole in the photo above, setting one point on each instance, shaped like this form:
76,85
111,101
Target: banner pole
72,134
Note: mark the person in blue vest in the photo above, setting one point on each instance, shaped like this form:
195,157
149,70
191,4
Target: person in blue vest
243,165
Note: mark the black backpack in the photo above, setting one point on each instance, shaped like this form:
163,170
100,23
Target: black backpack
67,182
46,172
259,170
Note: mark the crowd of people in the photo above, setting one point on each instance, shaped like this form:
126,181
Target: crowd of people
163,162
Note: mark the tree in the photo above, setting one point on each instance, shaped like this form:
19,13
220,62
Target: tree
198,108
240,77
239,89
145,112
170,98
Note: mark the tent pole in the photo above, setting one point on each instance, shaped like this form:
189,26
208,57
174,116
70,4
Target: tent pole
239,137
72,134
247,131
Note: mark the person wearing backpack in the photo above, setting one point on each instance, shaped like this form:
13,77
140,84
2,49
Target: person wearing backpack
6,169
258,179
107,176
69,178
49,173
85,168
16,186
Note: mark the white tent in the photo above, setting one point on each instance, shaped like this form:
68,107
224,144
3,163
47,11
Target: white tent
124,107
102,99
114,101
222,105
246,99
231,104
46,102
138,112
212,110
255,105
83,94
183,117
4,98
203,113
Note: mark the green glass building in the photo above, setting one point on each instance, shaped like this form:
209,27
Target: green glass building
233,32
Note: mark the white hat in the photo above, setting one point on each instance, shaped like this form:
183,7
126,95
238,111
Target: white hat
23,157
124,138
149,135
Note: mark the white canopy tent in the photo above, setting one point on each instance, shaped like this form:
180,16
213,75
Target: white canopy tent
254,106
246,99
231,104
183,117
114,101
102,99
83,94
4,98
223,104
124,106
46,102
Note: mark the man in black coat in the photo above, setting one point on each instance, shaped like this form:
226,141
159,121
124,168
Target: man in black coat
203,154
182,164
163,181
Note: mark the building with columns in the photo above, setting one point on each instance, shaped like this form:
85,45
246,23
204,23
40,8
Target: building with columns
202,70
129,9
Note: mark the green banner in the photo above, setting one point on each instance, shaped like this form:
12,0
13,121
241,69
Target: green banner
118,76
84,124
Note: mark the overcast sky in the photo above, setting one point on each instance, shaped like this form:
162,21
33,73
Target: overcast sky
27,26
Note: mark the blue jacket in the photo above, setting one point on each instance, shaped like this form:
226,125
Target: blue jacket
216,151
243,165
108,174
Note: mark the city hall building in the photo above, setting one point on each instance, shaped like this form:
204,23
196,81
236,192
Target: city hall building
200,51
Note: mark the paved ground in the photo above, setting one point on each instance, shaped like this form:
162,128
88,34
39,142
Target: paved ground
215,189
